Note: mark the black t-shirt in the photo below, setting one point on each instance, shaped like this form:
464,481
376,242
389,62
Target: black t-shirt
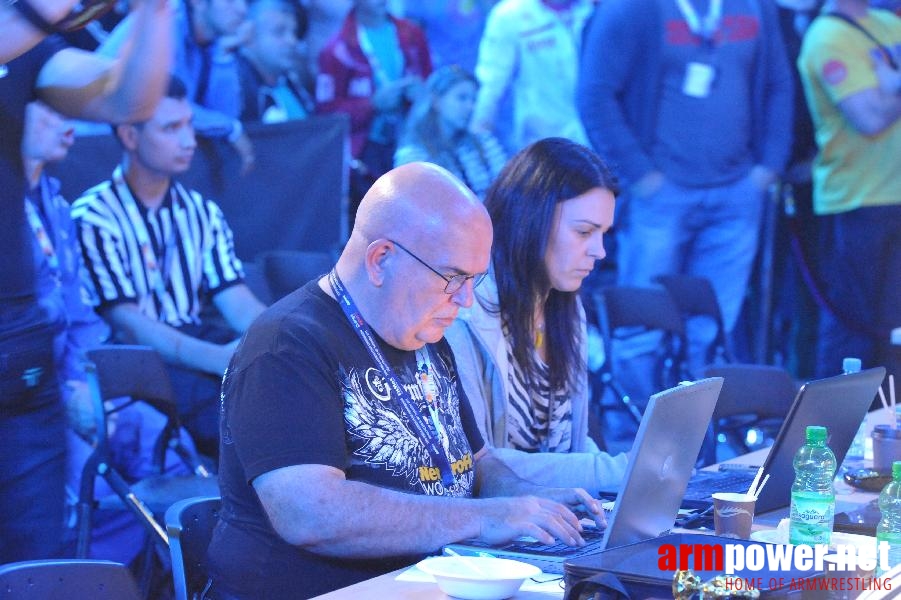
17,85
302,389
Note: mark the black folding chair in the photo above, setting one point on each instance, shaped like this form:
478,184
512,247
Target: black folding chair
753,396
67,579
630,311
694,296
287,270
138,373
190,524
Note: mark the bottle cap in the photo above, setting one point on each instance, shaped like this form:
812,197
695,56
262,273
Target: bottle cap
896,470
851,365
816,433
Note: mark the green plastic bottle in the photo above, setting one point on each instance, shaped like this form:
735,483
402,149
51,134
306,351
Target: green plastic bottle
889,528
813,492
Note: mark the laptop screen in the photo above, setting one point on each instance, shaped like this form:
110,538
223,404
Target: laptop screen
838,403
660,463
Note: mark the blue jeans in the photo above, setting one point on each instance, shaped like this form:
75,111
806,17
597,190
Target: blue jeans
862,273
32,436
705,232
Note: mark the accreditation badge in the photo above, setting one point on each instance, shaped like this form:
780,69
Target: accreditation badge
698,80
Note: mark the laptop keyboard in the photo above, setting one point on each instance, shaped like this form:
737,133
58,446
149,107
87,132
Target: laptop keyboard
703,484
593,538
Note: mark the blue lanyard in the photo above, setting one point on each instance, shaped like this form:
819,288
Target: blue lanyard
420,423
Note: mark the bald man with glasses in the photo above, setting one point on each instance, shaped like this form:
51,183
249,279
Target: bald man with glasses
348,446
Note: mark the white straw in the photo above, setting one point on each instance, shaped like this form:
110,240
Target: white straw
882,398
762,483
891,390
756,481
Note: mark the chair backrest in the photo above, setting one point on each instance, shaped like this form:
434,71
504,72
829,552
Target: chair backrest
762,390
287,270
694,296
643,307
67,579
628,311
255,279
137,371
190,524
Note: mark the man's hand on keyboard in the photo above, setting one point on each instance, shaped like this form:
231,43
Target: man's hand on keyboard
580,502
505,519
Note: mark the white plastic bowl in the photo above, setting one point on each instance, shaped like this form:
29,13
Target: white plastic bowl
478,577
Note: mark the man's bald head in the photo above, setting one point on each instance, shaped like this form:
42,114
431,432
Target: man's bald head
417,228
418,201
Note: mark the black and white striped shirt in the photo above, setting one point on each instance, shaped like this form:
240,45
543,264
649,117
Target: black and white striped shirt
135,254
539,419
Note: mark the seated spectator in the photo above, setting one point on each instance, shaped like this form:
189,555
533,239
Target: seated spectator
437,131
272,90
348,449
372,70
156,252
208,35
59,268
521,348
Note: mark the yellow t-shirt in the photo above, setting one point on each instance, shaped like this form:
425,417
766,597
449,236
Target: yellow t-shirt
837,61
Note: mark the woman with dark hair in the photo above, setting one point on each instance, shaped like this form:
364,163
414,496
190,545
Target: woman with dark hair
437,131
521,348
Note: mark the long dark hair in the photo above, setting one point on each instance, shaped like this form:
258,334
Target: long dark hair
521,203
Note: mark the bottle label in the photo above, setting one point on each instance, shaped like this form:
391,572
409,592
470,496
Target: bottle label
811,519
894,551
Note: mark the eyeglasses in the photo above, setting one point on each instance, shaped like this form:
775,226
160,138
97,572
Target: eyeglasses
454,282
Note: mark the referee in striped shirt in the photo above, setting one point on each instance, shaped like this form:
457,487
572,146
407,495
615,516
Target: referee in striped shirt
155,251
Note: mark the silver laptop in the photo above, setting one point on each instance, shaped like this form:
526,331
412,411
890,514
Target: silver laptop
663,455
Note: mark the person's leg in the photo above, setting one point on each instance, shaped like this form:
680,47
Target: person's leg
198,406
651,242
32,441
887,299
727,223
855,275
32,480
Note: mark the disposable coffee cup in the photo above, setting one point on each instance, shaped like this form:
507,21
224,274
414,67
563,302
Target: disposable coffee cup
886,447
733,514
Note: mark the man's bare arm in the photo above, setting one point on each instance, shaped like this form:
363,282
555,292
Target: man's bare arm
496,479
125,88
175,347
239,306
17,35
317,508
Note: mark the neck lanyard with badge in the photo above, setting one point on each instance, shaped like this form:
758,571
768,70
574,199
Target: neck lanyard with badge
699,76
157,274
40,232
428,429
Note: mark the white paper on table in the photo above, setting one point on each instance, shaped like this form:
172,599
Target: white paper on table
547,583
